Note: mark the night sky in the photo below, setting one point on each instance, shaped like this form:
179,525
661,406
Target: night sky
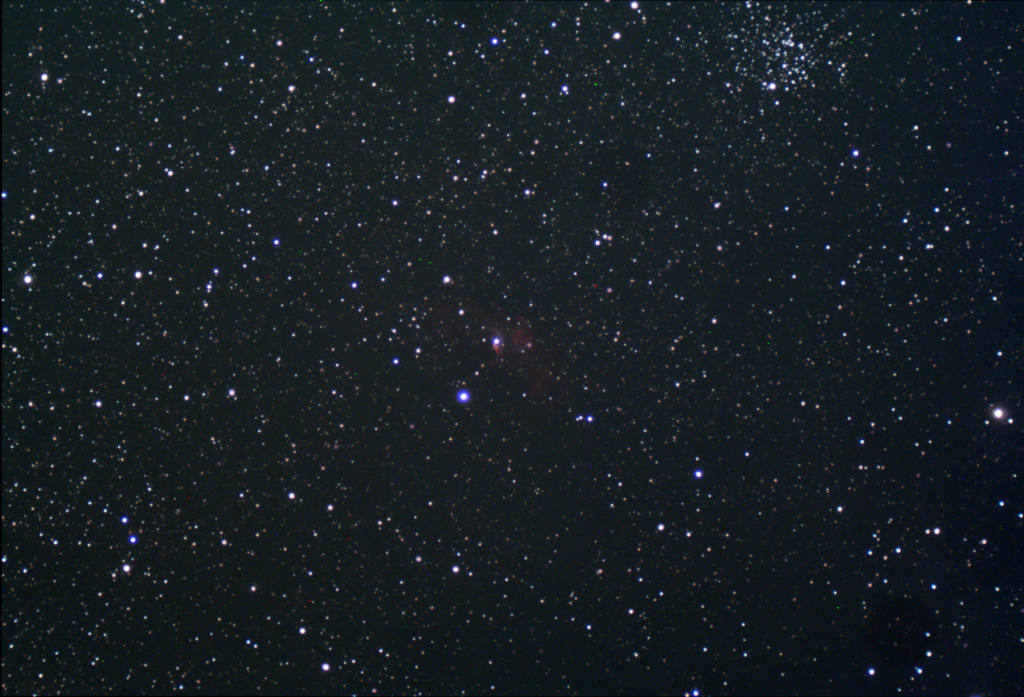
513,348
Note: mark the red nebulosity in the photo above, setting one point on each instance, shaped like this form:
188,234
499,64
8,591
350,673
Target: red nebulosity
466,337
522,337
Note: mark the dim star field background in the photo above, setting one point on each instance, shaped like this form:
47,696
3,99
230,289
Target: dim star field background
512,348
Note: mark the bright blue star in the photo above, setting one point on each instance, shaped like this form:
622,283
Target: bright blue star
464,396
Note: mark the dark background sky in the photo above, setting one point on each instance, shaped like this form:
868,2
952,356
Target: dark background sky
512,348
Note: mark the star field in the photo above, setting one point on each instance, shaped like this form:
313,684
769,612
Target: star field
512,348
